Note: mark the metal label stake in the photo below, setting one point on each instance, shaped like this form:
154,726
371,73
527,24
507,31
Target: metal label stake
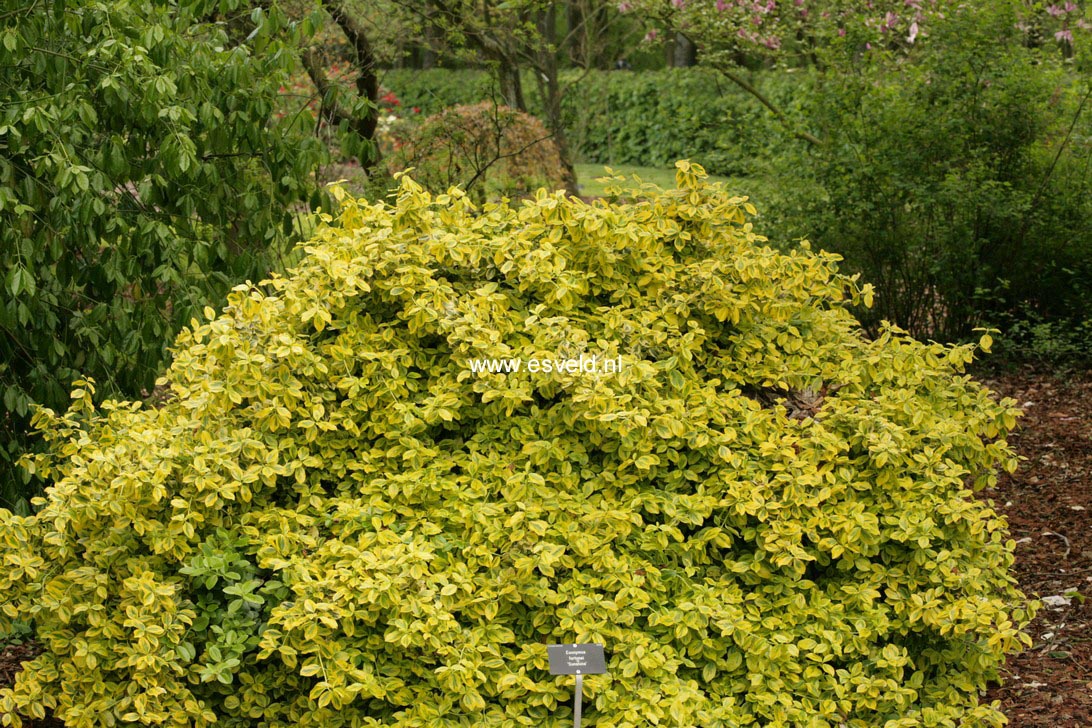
579,660
578,699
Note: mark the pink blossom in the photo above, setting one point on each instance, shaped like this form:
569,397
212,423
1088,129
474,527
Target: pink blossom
841,32
913,32
1084,24
868,46
680,4
798,3
625,7
891,20
1064,35
652,35
1070,7
1055,11
721,6
773,42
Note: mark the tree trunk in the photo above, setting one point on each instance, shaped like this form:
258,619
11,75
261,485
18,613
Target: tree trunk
511,85
579,53
432,38
684,53
550,88
367,83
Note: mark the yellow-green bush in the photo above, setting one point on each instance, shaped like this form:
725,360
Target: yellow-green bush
767,519
488,150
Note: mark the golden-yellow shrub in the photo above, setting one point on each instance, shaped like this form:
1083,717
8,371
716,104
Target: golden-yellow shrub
767,519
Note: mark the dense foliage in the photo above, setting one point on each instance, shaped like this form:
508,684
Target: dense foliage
142,171
488,150
958,179
334,521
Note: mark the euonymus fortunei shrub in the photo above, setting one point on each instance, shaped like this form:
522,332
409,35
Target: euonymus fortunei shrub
333,521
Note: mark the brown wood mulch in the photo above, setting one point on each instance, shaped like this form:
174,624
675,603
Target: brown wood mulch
1048,503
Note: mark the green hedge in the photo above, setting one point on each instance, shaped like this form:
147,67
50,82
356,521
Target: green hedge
617,117
434,90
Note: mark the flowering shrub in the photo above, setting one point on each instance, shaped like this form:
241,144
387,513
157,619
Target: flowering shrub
725,27
766,518
395,123
491,150
388,101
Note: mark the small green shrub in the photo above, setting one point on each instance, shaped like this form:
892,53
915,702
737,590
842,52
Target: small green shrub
332,521
491,151
1028,339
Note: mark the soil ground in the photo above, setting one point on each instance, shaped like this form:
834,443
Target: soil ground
1048,503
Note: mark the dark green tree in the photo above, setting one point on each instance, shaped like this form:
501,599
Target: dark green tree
147,163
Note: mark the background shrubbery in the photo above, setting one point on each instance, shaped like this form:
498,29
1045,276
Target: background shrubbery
649,118
958,180
955,172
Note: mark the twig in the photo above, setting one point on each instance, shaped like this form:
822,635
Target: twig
1067,548
778,113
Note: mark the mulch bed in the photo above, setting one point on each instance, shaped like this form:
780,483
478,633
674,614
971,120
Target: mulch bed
1048,503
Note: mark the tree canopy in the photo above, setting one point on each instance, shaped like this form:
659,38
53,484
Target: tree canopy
147,161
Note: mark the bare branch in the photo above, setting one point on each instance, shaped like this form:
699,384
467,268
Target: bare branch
749,88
